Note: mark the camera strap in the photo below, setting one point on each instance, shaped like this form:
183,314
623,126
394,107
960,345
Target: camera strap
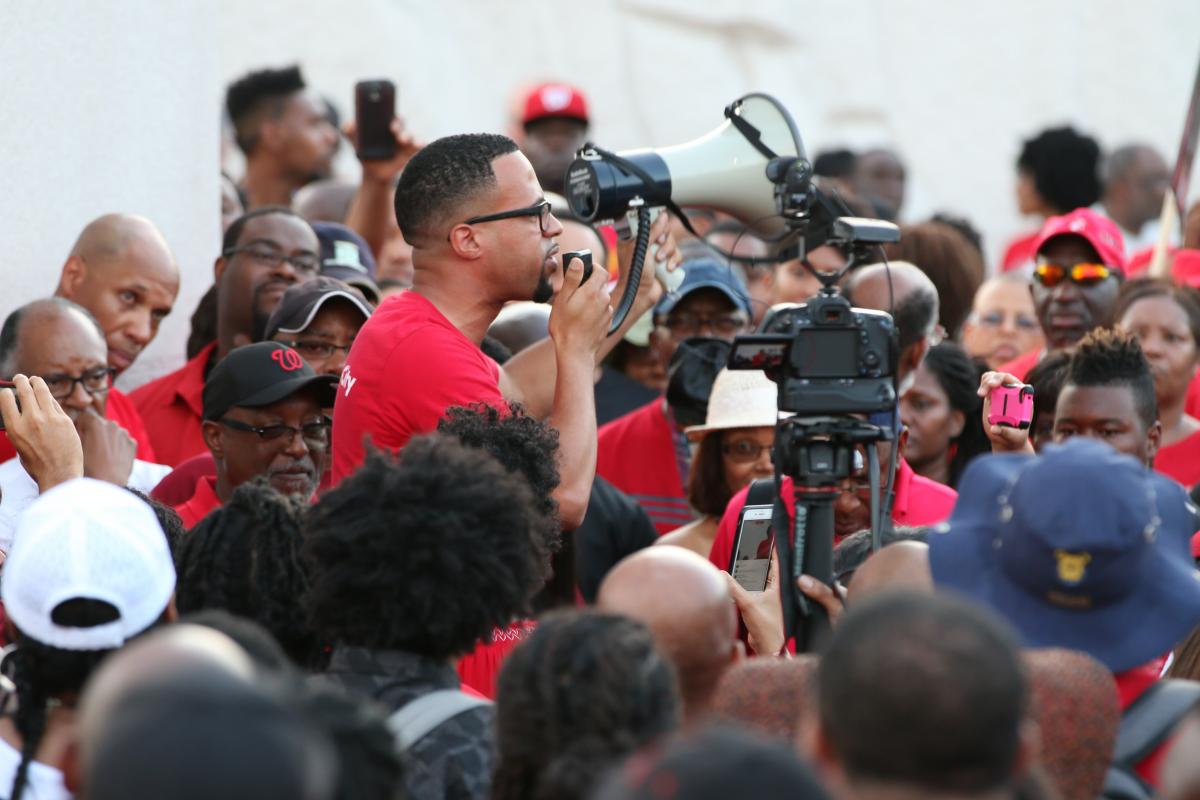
644,177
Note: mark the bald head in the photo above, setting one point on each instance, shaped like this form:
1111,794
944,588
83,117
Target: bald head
122,271
902,566
912,302
520,325
172,650
685,602
41,336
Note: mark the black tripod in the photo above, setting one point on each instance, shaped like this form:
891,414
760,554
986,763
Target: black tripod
817,453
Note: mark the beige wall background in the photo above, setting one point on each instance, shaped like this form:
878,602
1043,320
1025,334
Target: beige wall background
114,106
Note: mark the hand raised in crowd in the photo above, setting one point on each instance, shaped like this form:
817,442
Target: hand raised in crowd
385,171
41,432
108,450
580,314
761,612
1004,439
664,250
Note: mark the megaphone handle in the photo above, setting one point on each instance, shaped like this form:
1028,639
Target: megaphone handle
640,246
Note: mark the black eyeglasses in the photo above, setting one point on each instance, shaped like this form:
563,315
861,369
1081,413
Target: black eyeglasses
315,348
304,262
745,451
540,210
314,434
94,381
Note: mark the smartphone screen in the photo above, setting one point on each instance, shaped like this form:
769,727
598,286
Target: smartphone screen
752,552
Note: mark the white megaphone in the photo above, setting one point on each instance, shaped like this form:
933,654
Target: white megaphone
735,168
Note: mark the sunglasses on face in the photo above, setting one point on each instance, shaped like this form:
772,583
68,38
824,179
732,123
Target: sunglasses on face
1050,274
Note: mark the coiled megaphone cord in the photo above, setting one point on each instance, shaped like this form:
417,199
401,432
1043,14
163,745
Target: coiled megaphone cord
640,245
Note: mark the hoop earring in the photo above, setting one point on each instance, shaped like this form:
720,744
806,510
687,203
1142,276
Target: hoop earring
7,685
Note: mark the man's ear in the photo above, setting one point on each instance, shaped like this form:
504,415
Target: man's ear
214,438
912,357
1153,441
465,243
219,267
74,273
271,135
72,769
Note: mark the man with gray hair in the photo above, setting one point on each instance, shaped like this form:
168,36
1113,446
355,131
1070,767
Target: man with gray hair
62,343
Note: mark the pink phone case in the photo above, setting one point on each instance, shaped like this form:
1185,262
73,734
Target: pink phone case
1012,406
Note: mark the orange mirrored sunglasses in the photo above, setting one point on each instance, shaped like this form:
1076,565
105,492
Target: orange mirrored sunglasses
1049,274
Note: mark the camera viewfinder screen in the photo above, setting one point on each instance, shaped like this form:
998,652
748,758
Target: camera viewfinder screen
826,354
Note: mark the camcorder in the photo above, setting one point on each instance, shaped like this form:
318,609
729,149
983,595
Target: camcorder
835,365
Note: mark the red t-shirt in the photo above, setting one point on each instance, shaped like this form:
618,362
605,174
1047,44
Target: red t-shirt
1130,685
1181,460
1019,367
636,453
172,407
918,501
408,365
203,500
481,666
121,410
1191,406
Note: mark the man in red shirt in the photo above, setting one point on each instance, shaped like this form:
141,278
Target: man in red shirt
645,453
122,271
262,418
1080,265
263,253
482,235
1081,547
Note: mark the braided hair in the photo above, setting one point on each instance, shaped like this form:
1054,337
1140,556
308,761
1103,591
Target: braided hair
580,694
42,673
245,558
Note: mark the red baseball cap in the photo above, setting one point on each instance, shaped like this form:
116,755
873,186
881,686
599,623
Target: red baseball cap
554,100
1098,230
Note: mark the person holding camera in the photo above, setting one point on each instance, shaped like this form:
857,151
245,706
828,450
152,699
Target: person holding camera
483,235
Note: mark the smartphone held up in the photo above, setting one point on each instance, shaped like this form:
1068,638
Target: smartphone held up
374,110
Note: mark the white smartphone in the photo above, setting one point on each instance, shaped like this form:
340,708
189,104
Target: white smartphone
752,549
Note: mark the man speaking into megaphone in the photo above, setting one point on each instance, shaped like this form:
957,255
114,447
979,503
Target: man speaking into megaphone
483,235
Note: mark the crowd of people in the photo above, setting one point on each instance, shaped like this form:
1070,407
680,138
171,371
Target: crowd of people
411,522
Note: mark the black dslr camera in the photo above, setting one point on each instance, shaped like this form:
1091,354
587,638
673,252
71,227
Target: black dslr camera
827,357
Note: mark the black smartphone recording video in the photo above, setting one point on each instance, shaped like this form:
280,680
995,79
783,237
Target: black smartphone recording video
583,255
374,110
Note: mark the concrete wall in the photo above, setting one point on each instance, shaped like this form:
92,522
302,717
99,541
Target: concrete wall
113,106
108,107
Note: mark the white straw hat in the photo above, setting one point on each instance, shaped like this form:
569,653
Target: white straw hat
86,539
741,398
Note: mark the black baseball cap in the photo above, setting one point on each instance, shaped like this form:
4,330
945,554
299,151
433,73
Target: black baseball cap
261,374
301,302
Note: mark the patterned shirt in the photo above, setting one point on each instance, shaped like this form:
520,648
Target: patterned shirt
455,759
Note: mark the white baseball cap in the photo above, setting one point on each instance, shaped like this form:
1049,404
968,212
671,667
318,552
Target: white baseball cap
86,539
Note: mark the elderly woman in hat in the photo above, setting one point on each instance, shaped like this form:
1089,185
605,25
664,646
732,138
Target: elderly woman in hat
734,449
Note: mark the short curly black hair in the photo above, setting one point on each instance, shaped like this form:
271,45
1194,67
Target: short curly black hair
584,691
445,174
257,95
1065,165
245,558
1108,357
168,519
523,445
428,554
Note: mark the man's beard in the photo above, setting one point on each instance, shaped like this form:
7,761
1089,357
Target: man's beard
544,290
258,325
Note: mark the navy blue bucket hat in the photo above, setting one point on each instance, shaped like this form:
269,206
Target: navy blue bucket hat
1080,547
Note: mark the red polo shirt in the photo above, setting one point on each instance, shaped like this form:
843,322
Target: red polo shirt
172,406
918,501
203,500
636,453
121,410
408,365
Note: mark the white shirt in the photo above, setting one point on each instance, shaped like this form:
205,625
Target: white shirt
42,781
19,490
